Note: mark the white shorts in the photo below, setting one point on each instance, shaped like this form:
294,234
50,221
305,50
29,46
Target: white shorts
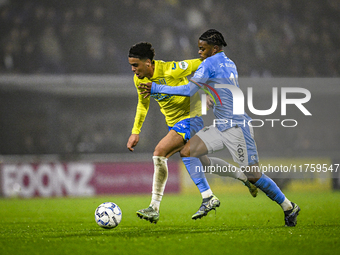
239,140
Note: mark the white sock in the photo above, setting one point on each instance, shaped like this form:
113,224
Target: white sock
155,204
160,176
223,168
207,193
286,205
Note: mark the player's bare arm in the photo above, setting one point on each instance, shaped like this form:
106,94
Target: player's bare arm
132,142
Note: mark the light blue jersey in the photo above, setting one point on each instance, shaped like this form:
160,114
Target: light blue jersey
217,69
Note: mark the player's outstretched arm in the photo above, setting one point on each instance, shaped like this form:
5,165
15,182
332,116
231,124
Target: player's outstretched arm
154,88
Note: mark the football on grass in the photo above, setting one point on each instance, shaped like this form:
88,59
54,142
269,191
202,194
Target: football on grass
108,215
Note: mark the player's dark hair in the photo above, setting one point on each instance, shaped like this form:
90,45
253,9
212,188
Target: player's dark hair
142,50
213,37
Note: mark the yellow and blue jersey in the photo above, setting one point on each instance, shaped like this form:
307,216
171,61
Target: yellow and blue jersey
174,108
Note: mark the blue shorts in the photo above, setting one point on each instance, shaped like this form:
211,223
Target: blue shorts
187,128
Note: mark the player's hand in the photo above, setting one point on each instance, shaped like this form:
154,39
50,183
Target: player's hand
132,142
210,102
146,89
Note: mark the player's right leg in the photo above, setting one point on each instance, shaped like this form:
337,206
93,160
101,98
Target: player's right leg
160,177
171,143
270,188
241,144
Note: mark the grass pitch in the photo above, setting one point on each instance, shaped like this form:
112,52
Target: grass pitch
242,225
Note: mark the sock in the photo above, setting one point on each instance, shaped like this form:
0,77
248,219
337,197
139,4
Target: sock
160,177
207,193
194,168
223,168
286,205
269,187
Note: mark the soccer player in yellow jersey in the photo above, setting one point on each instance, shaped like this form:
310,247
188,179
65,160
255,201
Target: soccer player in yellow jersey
182,115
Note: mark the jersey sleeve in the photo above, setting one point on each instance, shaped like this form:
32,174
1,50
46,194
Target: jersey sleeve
203,72
141,111
183,68
183,90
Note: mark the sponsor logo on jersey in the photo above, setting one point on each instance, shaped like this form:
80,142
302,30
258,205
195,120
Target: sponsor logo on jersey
160,97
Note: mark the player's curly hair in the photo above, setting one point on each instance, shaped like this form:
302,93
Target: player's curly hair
142,50
213,37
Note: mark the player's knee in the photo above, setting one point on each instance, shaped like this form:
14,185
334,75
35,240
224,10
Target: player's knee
253,176
253,180
185,152
160,151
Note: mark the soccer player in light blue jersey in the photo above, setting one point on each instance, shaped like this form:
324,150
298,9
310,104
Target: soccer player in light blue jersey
214,73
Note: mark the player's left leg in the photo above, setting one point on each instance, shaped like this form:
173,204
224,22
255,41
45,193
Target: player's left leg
195,169
270,188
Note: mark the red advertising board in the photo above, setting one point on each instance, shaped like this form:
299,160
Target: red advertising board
82,179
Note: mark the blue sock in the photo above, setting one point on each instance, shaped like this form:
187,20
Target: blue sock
194,168
268,186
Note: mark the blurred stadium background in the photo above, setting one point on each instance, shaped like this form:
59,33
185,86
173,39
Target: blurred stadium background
67,99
